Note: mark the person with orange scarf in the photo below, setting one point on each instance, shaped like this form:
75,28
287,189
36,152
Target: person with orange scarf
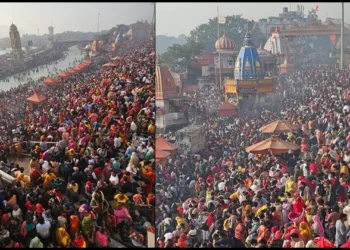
74,225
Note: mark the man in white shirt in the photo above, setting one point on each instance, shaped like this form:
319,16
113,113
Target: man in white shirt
221,185
43,228
114,179
117,142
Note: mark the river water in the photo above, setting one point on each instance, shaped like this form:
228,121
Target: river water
73,54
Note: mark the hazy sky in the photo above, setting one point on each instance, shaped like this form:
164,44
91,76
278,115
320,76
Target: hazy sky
72,16
175,19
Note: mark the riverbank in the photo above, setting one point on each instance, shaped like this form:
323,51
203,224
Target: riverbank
9,67
73,57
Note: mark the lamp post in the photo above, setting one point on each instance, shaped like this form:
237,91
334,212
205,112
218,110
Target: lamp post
342,38
98,23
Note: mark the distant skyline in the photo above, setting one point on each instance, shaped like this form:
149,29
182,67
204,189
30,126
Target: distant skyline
174,19
74,16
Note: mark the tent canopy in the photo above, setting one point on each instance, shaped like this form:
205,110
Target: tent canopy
50,81
36,98
164,145
279,126
63,75
109,65
273,145
228,110
161,155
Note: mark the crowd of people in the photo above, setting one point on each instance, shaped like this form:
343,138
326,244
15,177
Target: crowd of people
223,196
12,67
90,180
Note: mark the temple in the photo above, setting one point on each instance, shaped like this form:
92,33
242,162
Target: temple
278,45
169,113
250,86
16,46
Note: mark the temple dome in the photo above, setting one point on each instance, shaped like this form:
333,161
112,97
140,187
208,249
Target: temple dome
248,64
119,38
225,43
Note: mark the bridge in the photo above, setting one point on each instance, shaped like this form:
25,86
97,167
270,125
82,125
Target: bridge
72,43
313,31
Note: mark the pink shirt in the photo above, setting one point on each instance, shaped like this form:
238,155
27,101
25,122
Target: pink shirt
101,238
120,215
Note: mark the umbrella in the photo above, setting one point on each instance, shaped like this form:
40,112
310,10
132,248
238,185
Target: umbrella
278,126
63,75
109,65
49,81
273,145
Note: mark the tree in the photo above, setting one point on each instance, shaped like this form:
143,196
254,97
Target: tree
235,28
181,55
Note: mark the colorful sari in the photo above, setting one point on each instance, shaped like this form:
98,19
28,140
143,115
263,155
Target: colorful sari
305,232
62,236
74,224
47,181
86,226
79,242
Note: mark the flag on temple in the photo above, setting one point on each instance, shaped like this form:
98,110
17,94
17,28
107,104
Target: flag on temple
316,8
222,19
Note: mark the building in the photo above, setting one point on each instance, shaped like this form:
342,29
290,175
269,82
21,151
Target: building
15,39
250,87
168,100
224,58
192,136
51,34
287,19
268,60
286,66
139,31
278,45
209,64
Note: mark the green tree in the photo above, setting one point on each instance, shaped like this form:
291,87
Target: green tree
235,28
181,55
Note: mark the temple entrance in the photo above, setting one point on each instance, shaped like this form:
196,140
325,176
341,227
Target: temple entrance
248,101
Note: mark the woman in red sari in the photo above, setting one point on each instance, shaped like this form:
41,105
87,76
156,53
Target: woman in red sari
298,206
79,241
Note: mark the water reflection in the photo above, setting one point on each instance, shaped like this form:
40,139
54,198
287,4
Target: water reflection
73,54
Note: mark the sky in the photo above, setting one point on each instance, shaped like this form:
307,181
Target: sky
74,16
174,19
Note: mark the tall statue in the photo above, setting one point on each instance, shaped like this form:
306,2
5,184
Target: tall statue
15,42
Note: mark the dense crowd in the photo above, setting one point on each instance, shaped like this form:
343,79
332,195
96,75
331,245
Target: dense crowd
11,67
91,178
223,196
